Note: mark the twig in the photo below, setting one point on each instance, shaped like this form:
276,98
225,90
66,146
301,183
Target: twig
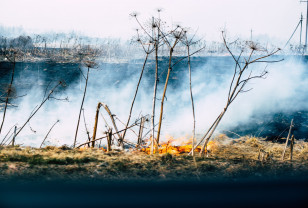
84,95
105,136
287,140
48,133
37,109
132,105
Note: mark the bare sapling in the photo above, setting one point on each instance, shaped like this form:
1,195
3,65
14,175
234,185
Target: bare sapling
238,83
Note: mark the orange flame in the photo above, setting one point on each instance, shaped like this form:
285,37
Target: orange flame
178,146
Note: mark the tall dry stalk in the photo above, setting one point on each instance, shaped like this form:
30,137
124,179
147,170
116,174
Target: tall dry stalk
81,106
156,45
148,51
177,36
188,43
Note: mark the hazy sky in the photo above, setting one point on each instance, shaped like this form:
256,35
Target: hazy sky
274,18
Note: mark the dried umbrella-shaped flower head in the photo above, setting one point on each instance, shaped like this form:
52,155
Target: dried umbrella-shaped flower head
62,83
159,10
253,46
177,34
154,24
133,14
90,64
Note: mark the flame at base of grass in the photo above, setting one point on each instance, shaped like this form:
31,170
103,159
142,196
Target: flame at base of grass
178,146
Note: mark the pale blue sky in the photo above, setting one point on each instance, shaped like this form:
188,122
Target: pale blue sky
103,18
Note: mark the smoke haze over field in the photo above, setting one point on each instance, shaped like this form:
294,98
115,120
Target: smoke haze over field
284,90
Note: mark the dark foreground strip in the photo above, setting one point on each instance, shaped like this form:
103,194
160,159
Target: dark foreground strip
252,193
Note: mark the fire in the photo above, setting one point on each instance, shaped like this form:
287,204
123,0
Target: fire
178,146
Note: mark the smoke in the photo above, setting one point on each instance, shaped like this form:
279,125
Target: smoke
284,90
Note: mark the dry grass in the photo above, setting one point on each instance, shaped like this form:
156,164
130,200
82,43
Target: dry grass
239,158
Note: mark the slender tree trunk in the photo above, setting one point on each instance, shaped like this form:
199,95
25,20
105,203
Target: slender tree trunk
84,95
8,94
